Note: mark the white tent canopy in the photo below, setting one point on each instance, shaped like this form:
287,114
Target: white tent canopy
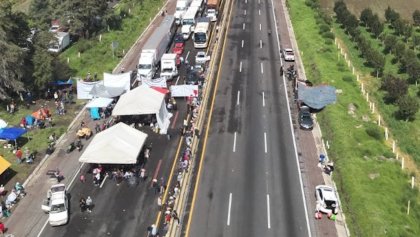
144,100
184,90
121,80
119,144
99,103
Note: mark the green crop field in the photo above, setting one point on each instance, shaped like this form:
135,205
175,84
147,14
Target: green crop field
404,7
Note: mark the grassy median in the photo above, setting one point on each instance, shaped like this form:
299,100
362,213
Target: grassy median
373,189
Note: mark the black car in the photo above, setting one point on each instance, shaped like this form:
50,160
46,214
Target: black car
305,118
194,76
179,38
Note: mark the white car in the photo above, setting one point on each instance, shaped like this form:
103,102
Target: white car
201,57
56,205
327,199
288,54
212,14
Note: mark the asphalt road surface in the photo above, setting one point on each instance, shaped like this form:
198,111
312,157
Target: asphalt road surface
250,184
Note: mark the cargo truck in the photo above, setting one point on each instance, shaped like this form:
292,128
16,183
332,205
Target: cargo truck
181,8
168,67
188,21
158,44
212,9
61,41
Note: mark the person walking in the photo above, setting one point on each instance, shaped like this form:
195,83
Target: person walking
82,178
155,185
159,201
143,174
89,203
175,216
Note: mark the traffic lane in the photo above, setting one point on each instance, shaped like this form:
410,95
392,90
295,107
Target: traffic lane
210,216
163,150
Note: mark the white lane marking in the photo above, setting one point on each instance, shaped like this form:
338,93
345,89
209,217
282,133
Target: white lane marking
260,27
230,206
245,12
242,43
268,212
186,57
262,69
265,142
291,127
240,66
259,12
260,44
259,1
246,1
234,142
243,26
177,79
239,96
263,99
103,181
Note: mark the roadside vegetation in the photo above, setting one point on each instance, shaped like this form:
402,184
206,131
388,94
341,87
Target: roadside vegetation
374,190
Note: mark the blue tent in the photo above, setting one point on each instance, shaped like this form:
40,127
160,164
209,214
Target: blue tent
316,97
11,133
63,83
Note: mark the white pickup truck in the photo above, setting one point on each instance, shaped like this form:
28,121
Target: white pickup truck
56,205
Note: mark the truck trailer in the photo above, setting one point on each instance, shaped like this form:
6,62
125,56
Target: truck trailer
61,41
158,44
168,67
181,8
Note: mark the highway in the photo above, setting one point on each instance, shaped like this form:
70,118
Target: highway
250,183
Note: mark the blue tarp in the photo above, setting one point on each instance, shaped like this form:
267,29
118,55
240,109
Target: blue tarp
11,133
316,97
63,83
94,113
29,120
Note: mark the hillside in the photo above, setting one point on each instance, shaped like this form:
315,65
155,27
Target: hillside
405,7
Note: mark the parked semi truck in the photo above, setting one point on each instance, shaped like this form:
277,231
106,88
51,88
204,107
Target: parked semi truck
212,9
168,67
181,8
61,41
155,47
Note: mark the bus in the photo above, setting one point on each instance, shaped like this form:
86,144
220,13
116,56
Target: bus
202,33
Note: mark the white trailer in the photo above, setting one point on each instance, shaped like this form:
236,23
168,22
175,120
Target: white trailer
168,68
155,47
61,41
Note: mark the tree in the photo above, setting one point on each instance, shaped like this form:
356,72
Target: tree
12,57
389,42
40,12
377,59
366,15
376,26
407,108
351,22
416,40
413,71
395,88
399,50
391,15
416,17
400,26
43,70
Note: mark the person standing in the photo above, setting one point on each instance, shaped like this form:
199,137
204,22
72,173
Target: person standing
175,216
89,203
159,201
82,204
19,155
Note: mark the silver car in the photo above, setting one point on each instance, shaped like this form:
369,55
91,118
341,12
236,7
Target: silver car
327,198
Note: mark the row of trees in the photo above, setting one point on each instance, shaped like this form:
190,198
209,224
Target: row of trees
350,23
24,60
396,88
